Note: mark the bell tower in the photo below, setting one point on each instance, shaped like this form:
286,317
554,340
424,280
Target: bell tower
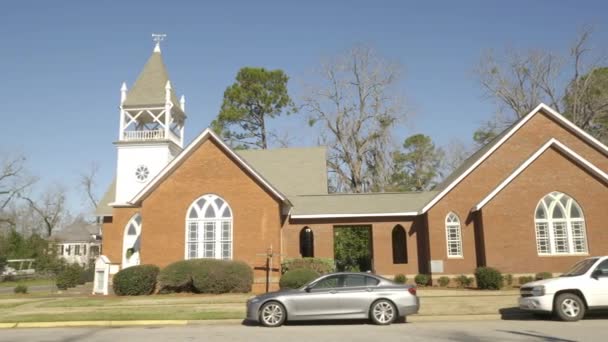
151,129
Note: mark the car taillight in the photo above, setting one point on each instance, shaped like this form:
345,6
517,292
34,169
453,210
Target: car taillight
412,290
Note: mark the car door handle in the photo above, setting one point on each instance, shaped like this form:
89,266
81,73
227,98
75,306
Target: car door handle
333,292
369,290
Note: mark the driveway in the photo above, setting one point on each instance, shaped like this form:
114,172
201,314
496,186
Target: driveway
587,330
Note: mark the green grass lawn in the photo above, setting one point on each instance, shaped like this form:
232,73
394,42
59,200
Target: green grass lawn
27,308
28,282
125,316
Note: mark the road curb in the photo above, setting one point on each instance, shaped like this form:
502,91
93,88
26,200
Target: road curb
410,319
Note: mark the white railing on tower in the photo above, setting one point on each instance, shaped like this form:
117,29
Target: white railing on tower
158,134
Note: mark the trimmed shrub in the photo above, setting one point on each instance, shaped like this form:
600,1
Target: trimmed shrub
297,278
20,289
135,280
222,276
177,277
422,279
400,279
443,281
488,278
463,281
319,265
507,279
68,277
525,279
544,275
206,276
87,275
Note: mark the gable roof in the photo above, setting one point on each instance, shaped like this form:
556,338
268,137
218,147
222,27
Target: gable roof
551,143
103,207
149,88
294,171
204,136
482,154
77,231
377,204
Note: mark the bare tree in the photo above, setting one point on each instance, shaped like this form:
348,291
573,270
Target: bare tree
13,180
455,153
357,107
520,81
50,207
87,184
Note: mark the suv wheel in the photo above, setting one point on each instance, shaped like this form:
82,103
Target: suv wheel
569,307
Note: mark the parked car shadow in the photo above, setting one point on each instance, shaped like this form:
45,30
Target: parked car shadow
516,314
248,323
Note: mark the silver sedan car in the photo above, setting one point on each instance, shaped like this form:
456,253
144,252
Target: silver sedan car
336,296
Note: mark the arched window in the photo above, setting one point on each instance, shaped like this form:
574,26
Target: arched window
453,235
131,242
307,243
399,245
560,226
209,229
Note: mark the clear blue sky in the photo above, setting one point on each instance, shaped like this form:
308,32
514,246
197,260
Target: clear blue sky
62,62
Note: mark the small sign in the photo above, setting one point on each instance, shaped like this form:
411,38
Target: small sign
436,266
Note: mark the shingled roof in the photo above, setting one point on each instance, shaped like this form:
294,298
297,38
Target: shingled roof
149,88
360,205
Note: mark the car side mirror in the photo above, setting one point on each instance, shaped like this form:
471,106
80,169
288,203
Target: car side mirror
307,289
596,274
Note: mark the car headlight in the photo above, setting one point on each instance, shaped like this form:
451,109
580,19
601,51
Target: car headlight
538,291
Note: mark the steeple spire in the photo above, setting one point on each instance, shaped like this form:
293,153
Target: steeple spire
158,37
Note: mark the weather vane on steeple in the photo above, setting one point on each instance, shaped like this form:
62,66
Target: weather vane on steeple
158,37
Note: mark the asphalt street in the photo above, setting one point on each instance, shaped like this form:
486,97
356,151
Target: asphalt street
533,330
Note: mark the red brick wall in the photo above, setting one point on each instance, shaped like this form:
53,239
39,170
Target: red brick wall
509,217
323,232
519,147
208,170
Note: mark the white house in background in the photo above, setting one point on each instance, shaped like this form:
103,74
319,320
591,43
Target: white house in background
78,242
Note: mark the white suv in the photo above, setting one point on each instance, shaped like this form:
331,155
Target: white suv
584,287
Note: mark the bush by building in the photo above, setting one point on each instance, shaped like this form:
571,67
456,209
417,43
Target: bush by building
422,279
525,279
135,280
488,278
69,277
400,279
206,276
544,275
319,265
463,281
443,281
507,279
297,278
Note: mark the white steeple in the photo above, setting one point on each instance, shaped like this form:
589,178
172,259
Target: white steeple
151,128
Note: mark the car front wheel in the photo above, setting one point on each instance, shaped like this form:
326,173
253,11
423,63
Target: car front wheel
272,314
569,307
383,312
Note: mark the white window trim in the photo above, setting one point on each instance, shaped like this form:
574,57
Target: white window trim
138,227
567,220
200,221
447,236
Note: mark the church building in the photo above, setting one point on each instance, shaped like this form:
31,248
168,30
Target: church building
532,200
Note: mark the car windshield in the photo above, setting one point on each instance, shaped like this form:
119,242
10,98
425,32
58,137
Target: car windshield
580,268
